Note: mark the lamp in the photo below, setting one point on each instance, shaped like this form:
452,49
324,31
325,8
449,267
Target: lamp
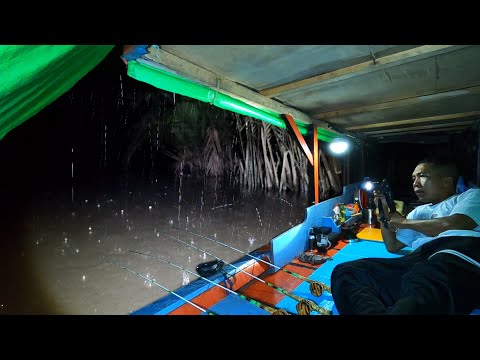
369,185
339,146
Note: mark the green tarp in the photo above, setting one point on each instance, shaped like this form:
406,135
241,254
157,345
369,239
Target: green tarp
33,76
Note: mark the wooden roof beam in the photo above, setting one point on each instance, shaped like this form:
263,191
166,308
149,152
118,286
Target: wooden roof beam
413,121
454,92
362,68
439,127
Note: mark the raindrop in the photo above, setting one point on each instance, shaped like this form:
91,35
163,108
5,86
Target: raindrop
258,215
72,179
186,279
285,201
105,147
121,89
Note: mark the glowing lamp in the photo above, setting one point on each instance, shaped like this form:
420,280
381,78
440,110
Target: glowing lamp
339,146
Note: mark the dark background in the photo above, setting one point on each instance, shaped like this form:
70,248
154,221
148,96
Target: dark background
396,161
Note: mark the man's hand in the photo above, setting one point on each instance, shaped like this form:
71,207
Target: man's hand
377,195
396,221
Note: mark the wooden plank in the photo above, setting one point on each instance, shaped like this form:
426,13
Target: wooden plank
180,67
362,68
422,129
399,102
413,121
300,138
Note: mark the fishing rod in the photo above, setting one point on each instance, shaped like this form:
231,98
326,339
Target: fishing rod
270,309
164,288
316,287
304,306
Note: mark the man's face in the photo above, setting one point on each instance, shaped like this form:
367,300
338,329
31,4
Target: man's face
428,185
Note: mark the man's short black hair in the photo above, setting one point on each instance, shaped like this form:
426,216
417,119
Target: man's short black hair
444,166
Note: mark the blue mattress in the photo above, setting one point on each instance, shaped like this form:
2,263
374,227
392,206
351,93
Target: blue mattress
352,251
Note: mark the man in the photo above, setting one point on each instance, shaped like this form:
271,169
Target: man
442,273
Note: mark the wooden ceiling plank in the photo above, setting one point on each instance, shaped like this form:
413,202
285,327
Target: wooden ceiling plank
421,127
452,129
400,102
362,68
413,121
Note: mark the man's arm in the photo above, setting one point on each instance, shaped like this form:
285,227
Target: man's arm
388,233
433,227
390,239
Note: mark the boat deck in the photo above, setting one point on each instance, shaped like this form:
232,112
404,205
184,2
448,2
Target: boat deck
247,291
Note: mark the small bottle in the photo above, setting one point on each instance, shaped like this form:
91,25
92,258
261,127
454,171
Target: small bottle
343,213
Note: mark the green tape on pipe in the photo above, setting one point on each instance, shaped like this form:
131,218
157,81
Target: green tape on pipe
179,85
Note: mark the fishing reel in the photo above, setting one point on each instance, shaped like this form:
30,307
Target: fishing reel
306,306
317,288
209,268
280,312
